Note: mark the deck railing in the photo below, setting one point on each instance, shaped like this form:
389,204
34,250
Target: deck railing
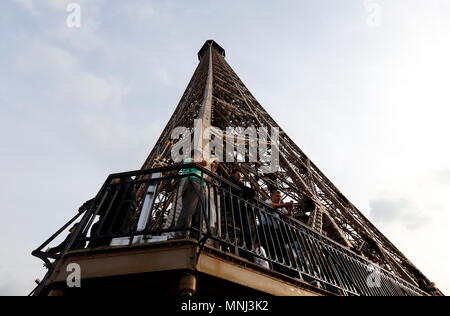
189,202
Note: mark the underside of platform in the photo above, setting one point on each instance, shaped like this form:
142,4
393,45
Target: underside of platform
172,269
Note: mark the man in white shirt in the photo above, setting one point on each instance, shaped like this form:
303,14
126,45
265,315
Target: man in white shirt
276,203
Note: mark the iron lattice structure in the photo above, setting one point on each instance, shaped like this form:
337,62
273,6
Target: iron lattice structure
216,95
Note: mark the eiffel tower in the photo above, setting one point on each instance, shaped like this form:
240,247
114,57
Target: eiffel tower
216,99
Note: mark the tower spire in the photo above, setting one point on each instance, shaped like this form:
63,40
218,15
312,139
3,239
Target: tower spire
205,116
207,45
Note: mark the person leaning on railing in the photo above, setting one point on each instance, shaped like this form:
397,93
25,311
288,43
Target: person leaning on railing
275,202
60,248
114,213
77,244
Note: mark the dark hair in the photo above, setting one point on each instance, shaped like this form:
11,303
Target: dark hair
235,170
273,192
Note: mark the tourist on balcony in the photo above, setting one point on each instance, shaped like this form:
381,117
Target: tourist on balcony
272,232
429,288
276,202
114,213
191,200
243,218
124,208
237,178
213,202
76,244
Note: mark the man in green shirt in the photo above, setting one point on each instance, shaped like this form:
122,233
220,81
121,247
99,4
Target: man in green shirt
191,199
194,171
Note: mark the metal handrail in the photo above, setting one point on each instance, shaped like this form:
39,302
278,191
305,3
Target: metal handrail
233,222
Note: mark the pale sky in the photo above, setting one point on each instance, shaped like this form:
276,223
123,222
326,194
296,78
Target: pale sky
366,96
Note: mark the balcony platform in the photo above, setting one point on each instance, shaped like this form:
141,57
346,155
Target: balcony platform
146,204
162,266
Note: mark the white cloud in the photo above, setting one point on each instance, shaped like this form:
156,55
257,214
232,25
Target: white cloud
84,38
69,80
29,6
145,11
60,4
401,212
140,10
442,177
53,14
